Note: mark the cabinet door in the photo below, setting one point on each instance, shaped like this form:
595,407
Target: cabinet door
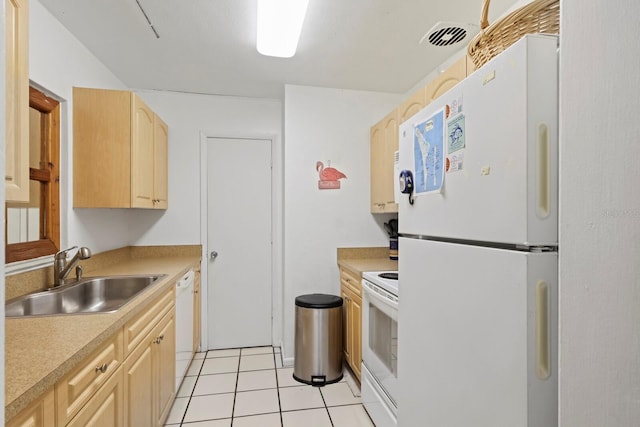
101,148
356,332
384,142
411,106
41,413
160,164
17,100
142,154
138,387
105,409
346,326
446,80
164,358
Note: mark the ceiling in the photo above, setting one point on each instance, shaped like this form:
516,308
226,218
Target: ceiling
208,46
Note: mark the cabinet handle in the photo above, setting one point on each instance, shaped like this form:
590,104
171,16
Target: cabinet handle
102,369
158,339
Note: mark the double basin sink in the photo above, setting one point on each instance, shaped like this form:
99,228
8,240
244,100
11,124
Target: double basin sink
104,294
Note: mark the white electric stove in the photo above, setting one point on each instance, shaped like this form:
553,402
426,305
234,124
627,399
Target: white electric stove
380,346
387,280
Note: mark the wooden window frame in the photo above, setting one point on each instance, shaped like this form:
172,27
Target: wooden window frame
49,173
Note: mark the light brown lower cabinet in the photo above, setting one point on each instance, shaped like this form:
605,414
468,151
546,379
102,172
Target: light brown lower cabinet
40,413
150,376
163,357
105,408
117,385
75,389
138,377
351,292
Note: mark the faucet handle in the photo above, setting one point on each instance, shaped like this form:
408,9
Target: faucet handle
63,253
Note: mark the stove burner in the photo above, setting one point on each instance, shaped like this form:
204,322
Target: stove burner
392,276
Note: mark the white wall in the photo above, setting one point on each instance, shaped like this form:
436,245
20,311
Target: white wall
57,62
599,214
187,116
322,125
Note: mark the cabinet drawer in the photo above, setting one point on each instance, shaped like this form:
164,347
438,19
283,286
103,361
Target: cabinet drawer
106,408
77,387
139,327
351,280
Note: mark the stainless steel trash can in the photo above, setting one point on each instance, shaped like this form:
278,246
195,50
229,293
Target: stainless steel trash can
318,339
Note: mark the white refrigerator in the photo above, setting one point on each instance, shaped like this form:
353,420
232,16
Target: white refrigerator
478,260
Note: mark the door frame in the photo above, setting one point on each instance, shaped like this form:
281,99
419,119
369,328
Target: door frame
277,232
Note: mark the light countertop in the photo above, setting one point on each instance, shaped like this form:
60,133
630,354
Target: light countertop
41,350
360,265
359,260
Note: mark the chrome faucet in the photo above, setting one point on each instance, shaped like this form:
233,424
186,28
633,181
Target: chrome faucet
61,268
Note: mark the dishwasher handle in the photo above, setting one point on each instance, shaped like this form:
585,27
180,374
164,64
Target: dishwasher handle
185,281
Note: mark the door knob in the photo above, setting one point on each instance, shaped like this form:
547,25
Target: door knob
213,255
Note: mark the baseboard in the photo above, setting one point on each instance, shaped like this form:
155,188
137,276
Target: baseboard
287,362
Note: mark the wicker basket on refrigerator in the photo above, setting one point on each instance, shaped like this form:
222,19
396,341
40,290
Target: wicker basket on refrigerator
539,16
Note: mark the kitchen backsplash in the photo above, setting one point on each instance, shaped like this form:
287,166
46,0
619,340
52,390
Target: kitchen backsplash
40,279
370,252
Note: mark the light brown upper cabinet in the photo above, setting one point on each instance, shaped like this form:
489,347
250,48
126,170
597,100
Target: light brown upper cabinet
16,30
384,142
411,106
450,77
384,135
161,163
436,87
119,151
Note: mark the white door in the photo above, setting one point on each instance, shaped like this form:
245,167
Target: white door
239,231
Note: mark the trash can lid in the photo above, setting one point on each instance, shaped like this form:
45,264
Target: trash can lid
318,301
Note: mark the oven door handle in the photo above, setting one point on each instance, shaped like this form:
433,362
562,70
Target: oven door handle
379,295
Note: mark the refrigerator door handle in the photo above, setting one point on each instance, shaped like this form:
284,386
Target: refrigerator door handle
543,208
543,370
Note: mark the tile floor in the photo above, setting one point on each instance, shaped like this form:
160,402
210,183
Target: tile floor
249,387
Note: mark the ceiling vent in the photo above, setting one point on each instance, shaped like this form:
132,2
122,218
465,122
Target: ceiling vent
445,34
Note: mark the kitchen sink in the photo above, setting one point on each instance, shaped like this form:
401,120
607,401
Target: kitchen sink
91,295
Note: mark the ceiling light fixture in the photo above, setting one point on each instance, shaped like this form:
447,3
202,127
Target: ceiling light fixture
279,26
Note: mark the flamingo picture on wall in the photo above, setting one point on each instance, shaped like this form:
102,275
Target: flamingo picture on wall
329,177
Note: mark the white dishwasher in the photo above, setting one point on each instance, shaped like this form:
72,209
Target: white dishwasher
184,325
